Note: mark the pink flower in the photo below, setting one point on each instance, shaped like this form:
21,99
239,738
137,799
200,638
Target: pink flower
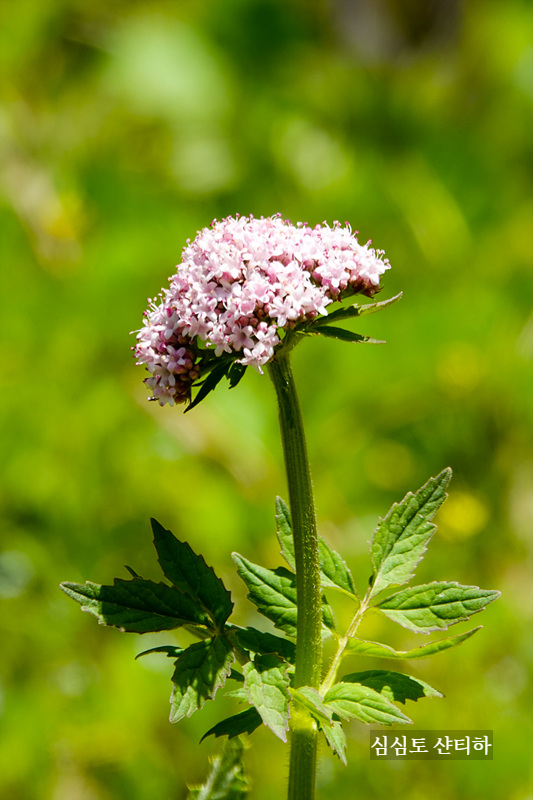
240,285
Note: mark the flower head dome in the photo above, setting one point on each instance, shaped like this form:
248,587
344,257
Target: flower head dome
241,284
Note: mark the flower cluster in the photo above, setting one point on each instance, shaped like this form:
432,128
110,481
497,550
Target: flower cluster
241,283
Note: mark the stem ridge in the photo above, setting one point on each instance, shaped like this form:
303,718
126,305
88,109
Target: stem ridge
309,596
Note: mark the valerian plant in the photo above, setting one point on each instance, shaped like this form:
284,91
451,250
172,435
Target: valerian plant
246,292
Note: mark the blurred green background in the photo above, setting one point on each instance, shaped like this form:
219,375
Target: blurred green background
124,128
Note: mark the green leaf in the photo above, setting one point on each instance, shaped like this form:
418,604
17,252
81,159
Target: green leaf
350,700
245,722
336,739
210,383
393,685
401,538
344,335
267,683
376,649
284,532
189,573
358,311
310,699
273,592
226,780
236,374
328,621
168,649
240,694
372,308
259,642
199,672
132,572
136,606
333,570
434,606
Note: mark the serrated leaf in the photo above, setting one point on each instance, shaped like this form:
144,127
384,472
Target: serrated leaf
240,694
378,650
336,739
310,699
401,538
210,383
189,573
267,683
284,532
259,642
273,592
199,672
352,701
245,722
344,335
435,606
358,310
137,605
226,780
393,685
333,570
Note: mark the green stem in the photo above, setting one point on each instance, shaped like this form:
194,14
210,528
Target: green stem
309,597
331,675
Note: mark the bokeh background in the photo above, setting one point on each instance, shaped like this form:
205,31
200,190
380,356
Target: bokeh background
124,128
